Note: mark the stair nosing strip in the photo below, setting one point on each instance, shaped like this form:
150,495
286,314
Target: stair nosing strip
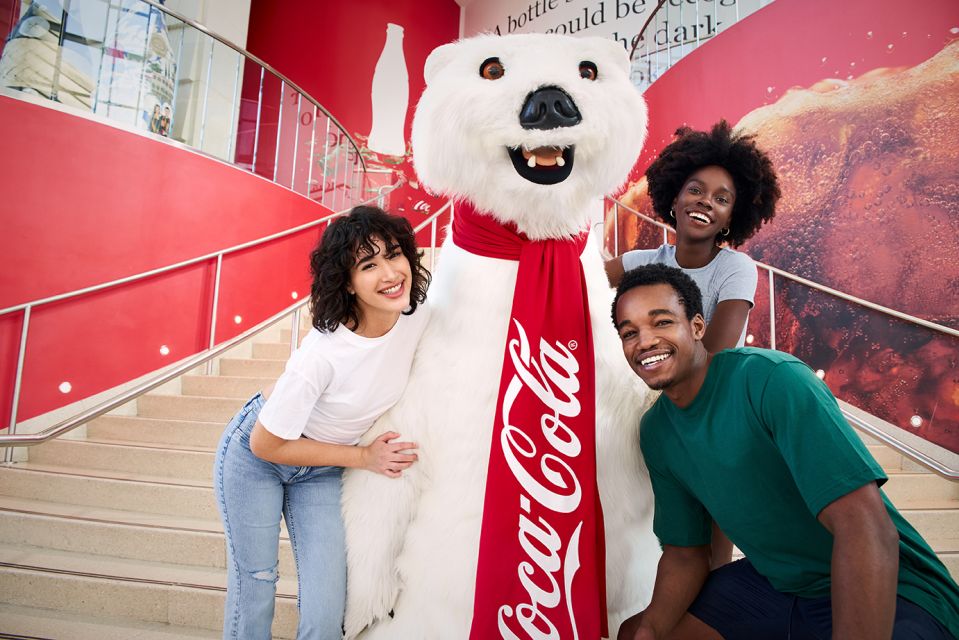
104,576
117,522
99,477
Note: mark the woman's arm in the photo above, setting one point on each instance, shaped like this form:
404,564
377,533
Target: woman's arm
380,456
726,325
614,270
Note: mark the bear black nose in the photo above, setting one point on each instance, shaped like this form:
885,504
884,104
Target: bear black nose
549,108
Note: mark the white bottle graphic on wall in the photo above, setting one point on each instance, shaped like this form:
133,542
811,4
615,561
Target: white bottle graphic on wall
390,95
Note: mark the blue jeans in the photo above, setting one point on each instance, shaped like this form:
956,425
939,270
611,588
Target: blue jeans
251,494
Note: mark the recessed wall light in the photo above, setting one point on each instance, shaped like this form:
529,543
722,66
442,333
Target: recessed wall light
65,387
820,374
915,422
164,350
237,319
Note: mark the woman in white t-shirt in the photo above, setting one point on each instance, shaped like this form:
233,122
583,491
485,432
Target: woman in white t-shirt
284,452
714,188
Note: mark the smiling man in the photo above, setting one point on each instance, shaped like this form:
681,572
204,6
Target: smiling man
753,439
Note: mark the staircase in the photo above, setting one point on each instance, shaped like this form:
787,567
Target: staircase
114,533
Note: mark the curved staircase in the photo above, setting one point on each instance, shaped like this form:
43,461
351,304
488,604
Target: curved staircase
114,533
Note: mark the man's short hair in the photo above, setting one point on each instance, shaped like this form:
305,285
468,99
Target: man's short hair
650,274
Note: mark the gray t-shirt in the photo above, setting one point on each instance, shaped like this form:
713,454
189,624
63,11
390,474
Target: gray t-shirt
731,275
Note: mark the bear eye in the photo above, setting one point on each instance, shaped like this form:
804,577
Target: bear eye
492,69
587,70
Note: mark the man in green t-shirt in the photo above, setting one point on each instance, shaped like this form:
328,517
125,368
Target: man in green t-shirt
753,439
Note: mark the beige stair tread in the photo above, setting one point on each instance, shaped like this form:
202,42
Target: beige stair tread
116,516
105,515
48,623
106,474
136,444
35,558
160,431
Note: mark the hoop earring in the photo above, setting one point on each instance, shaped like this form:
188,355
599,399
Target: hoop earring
672,214
724,232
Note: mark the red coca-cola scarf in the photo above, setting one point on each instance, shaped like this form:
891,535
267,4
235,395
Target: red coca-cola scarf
542,555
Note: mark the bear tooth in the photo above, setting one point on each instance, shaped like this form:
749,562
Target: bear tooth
531,163
560,162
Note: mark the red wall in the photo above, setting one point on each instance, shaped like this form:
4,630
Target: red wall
90,203
330,50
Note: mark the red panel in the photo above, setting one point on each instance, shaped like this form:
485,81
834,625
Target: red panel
125,203
91,203
98,341
10,326
255,284
330,50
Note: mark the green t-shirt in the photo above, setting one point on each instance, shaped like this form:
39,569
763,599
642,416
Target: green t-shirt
762,449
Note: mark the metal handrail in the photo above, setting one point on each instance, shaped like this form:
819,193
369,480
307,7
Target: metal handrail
191,261
31,439
863,425
815,285
12,438
249,56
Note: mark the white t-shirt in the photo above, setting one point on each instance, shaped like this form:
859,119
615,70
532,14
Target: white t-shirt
731,275
337,384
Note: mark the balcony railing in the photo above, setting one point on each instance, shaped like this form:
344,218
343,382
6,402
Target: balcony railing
142,66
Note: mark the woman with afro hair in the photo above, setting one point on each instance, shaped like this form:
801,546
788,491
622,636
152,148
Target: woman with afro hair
283,454
714,188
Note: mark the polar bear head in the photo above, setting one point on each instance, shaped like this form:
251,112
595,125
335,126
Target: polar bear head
530,127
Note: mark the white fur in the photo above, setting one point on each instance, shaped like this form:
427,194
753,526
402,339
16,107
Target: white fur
412,542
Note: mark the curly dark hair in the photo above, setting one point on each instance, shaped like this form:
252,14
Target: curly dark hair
757,187
656,273
332,261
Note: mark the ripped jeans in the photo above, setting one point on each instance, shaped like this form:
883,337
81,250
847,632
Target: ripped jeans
251,495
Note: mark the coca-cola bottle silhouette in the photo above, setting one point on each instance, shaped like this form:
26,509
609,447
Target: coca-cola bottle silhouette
390,95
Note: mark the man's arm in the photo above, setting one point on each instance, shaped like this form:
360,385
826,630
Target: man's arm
679,578
865,565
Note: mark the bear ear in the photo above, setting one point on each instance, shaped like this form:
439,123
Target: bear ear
437,60
615,51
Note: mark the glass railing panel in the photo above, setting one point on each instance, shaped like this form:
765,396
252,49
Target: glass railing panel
264,151
144,67
286,135
217,92
901,372
303,146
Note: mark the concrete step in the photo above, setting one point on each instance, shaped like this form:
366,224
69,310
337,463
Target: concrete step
30,622
107,587
951,560
188,407
939,526
271,350
109,490
136,429
251,367
165,461
286,334
894,462
223,386
913,490
121,534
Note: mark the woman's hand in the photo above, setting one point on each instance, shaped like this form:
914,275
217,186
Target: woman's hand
383,456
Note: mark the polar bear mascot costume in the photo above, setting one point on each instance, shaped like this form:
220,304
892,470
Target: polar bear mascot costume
520,399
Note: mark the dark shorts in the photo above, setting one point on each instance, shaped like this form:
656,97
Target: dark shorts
742,605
